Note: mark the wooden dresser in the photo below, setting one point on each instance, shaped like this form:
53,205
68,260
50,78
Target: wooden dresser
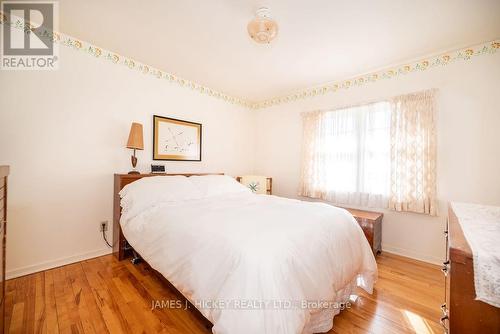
462,313
371,223
4,173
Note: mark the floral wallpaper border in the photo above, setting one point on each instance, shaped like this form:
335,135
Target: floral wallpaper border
424,64
132,64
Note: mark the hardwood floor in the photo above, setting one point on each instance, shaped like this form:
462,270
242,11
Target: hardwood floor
103,295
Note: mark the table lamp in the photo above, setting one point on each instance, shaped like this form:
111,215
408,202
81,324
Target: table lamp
135,142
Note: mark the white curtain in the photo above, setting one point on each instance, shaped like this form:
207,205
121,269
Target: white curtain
347,155
380,154
413,153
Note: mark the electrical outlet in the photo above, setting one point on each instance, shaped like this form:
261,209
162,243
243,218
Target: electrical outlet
103,226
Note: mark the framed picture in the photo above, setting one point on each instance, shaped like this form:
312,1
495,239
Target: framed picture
175,139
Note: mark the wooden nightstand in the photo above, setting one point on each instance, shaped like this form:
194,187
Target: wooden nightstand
371,223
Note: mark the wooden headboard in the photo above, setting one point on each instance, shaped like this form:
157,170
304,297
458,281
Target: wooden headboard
121,180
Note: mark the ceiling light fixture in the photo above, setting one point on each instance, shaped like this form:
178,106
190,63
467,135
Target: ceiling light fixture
262,29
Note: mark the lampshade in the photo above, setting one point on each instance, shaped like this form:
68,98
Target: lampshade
135,138
262,28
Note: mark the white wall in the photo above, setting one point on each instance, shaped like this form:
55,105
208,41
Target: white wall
63,133
468,145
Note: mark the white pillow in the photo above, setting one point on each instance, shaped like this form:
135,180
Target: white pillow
150,191
215,185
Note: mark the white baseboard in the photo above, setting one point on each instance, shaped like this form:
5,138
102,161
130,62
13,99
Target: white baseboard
412,254
13,273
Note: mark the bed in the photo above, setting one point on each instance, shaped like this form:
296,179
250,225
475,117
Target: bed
249,263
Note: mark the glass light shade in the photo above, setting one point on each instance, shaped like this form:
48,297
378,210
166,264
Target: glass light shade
262,28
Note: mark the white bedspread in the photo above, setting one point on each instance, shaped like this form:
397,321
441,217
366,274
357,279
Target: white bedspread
258,258
481,227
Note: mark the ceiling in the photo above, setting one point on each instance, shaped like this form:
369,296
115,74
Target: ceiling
318,41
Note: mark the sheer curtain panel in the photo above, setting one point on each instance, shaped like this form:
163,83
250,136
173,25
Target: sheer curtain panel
380,154
413,153
346,155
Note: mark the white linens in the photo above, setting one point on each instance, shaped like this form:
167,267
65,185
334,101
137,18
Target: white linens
217,185
149,191
481,227
249,262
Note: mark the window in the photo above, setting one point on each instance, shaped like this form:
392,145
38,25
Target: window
351,148
376,155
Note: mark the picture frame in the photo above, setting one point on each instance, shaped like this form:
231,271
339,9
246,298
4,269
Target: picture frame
176,139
